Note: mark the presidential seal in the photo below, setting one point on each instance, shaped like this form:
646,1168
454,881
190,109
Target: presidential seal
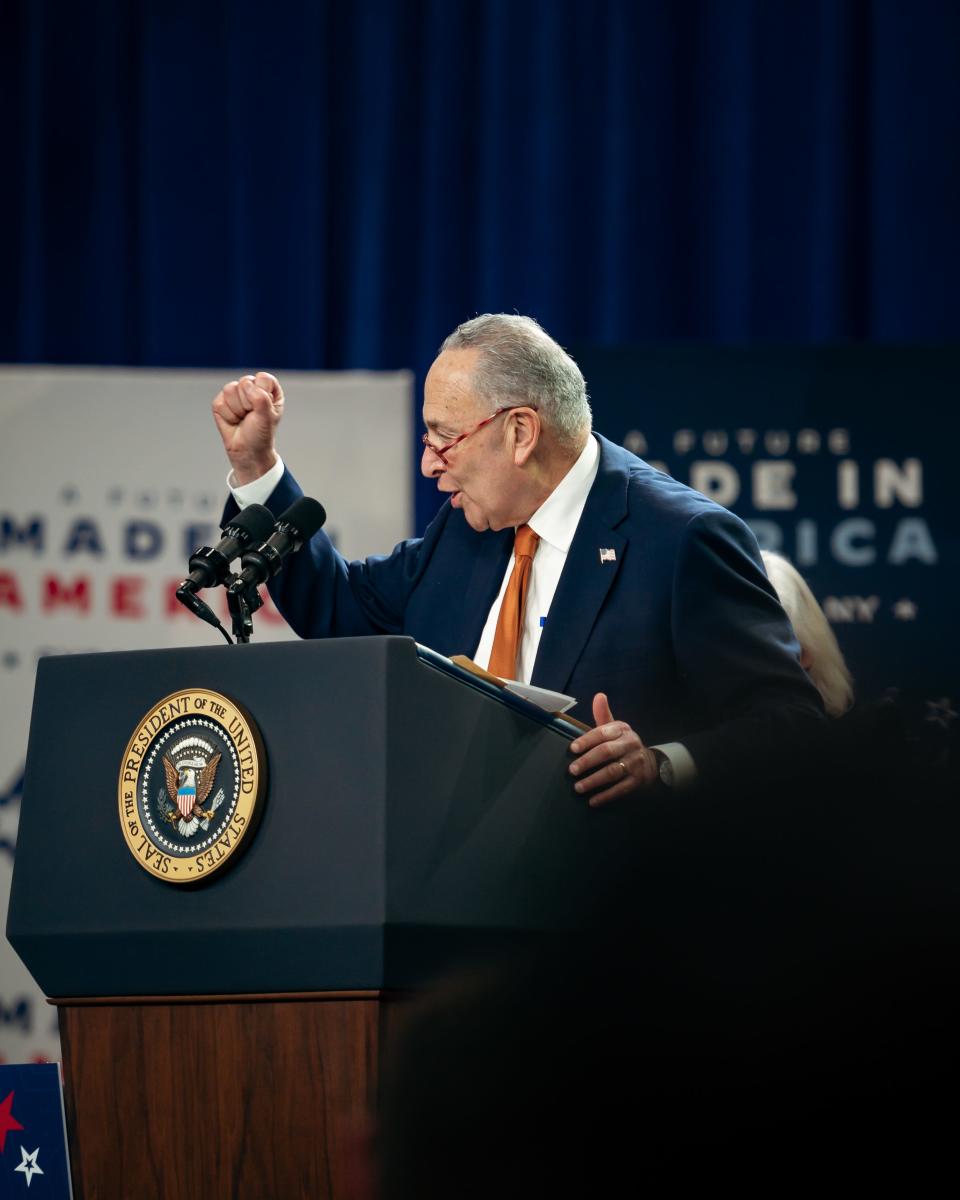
191,786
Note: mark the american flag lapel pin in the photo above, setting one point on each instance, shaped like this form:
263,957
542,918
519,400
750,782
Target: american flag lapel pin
608,555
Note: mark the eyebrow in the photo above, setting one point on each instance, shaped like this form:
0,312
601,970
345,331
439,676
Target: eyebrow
438,427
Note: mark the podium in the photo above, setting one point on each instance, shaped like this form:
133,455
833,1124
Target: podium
224,1038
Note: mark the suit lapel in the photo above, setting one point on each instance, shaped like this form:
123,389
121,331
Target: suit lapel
586,580
473,587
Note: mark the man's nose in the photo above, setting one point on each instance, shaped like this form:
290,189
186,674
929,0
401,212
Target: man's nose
431,465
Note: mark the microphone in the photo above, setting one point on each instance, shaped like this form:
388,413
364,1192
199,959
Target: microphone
294,527
210,565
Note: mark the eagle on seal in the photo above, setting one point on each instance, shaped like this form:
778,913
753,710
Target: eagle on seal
189,784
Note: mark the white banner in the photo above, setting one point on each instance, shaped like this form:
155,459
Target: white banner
109,479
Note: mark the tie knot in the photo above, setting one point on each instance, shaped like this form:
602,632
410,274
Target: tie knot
525,543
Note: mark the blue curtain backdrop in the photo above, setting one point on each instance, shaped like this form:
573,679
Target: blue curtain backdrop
336,185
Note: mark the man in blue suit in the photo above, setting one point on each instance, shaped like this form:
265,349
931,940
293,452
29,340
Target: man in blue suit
641,594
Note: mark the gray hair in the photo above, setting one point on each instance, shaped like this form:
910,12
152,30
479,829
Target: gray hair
521,364
828,672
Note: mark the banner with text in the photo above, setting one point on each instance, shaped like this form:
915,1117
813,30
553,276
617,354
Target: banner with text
840,458
109,480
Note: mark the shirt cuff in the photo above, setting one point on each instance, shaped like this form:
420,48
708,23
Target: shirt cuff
257,492
681,760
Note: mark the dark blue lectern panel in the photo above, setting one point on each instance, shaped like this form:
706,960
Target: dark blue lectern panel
404,810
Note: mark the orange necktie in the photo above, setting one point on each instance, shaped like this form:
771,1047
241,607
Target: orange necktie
506,641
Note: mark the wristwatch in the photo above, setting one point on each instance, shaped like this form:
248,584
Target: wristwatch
664,768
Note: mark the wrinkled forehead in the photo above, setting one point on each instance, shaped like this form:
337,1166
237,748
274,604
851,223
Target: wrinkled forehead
449,398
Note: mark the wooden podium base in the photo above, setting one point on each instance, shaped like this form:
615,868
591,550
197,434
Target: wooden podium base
232,1097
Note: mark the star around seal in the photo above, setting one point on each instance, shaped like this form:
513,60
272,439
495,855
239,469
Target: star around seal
191,785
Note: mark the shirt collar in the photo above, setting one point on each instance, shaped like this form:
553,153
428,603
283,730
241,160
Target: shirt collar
556,520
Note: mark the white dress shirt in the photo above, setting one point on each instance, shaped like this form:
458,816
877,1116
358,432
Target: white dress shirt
257,492
555,521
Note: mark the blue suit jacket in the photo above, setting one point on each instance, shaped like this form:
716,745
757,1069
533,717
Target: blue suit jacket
681,629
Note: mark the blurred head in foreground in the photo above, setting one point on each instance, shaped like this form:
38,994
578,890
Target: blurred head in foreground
820,655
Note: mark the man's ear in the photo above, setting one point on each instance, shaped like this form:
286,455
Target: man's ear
524,429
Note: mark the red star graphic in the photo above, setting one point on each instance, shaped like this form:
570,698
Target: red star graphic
7,1120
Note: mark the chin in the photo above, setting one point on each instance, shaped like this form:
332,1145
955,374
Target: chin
478,521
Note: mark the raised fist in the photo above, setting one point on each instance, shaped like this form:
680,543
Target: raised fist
247,413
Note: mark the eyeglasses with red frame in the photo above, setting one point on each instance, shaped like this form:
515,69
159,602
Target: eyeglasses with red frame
442,451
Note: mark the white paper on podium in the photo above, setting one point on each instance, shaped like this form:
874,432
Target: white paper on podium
552,702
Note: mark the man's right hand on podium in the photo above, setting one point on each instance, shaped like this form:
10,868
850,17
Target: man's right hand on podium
247,412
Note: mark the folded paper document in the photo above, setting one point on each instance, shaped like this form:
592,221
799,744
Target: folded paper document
551,702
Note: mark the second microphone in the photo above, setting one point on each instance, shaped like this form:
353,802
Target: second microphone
294,527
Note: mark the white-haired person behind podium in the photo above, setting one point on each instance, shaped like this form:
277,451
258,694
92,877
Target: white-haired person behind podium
820,655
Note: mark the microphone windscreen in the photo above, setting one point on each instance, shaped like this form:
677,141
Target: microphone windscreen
256,521
305,515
